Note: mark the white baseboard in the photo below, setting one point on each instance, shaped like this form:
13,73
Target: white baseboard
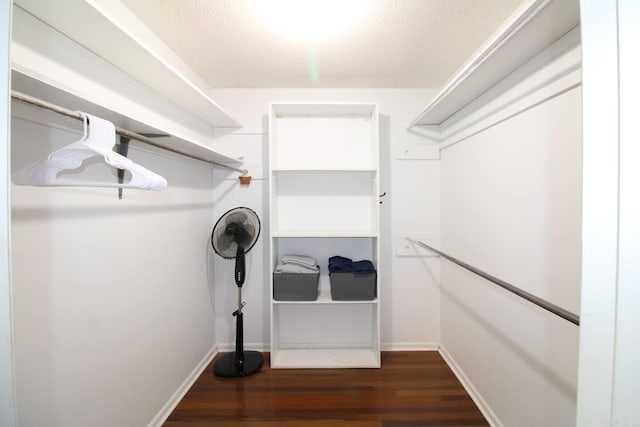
173,401
486,410
410,346
226,347
389,346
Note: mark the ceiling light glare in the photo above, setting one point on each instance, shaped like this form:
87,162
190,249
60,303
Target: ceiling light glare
310,20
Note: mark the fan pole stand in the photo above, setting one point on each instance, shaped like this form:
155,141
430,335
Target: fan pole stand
239,363
239,227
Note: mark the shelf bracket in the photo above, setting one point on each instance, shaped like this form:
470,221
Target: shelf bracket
123,149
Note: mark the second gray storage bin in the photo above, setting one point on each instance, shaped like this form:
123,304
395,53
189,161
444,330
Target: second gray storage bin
295,286
353,287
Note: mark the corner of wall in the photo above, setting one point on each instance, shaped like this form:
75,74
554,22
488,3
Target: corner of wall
177,396
475,395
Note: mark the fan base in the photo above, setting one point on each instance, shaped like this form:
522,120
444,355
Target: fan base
226,367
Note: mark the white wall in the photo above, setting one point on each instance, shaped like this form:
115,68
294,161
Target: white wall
7,391
511,206
609,378
409,291
112,298
627,375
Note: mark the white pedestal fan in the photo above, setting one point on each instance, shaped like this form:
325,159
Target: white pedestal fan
232,237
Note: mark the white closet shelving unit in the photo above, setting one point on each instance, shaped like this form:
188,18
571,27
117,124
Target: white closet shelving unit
97,56
324,201
506,55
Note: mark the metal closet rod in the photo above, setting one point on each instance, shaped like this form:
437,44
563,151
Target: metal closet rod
123,132
558,311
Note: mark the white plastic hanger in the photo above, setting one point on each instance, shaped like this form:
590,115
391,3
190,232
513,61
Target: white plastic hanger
98,139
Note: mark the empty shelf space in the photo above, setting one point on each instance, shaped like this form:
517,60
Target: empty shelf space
342,203
324,141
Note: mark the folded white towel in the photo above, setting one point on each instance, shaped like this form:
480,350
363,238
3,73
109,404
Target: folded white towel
295,268
303,260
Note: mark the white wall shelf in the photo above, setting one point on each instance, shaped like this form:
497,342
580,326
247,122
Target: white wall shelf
535,25
187,145
324,201
323,234
97,57
323,170
112,32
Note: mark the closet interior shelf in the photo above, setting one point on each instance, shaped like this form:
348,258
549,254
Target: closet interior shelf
120,131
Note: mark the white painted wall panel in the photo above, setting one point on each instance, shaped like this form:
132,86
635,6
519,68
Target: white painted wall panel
511,207
521,361
7,384
609,378
511,200
112,298
627,351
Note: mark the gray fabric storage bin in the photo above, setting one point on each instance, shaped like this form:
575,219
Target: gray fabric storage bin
353,287
295,287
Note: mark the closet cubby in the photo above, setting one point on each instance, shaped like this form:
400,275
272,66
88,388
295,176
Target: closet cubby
321,249
331,336
324,201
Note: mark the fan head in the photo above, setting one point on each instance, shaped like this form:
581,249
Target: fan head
237,227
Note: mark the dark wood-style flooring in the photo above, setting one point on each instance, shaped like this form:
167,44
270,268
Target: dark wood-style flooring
411,389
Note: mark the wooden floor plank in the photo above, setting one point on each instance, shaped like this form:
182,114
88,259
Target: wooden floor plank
411,389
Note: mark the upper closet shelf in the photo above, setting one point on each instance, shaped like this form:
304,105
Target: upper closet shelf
323,109
144,133
96,56
535,25
111,31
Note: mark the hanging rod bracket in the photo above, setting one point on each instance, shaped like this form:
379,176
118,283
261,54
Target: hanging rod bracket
123,149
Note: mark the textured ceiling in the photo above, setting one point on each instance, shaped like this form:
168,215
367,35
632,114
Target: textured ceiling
394,43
